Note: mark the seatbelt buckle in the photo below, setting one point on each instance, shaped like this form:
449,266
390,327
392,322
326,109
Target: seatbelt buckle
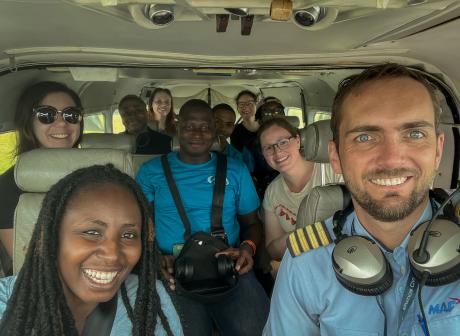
220,234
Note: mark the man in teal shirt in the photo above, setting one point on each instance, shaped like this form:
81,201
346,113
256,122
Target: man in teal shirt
193,169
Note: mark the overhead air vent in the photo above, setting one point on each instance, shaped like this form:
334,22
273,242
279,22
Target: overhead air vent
314,18
153,16
159,15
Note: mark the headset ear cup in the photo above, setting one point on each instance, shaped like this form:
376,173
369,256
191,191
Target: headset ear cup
225,266
361,267
443,250
374,289
439,279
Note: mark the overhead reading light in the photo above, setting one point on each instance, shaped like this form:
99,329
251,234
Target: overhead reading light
309,16
158,14
238,11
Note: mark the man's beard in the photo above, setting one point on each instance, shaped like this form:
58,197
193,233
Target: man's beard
404,207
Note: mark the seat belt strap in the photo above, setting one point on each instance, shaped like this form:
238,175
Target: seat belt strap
100,321
217,228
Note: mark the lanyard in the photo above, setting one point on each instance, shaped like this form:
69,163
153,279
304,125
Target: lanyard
408,297
409,294
409,291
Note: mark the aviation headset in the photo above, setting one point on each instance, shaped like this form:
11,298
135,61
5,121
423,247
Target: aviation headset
433,249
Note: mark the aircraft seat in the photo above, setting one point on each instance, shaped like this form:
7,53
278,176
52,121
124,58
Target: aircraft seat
323,201
36,171
126,142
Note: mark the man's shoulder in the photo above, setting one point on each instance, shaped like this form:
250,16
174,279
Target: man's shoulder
153,165
157,134
234,163
316,238
231,151
313,268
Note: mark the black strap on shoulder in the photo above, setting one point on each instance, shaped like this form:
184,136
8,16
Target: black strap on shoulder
218,196
217,200
100,321
176,196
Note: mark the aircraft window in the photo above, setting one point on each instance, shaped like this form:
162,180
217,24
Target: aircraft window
94,123
7,147
321,115
117,123
296,111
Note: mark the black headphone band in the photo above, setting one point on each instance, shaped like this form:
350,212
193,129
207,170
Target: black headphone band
339,219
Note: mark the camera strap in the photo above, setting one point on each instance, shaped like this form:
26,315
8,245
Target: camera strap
220,178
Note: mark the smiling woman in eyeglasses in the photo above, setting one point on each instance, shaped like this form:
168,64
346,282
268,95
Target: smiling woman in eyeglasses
280,146
48,115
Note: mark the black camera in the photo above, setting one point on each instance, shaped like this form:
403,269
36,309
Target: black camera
200,274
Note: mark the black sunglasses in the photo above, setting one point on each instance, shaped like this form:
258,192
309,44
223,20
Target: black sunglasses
49,114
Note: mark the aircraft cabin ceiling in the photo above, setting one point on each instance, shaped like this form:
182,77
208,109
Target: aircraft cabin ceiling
120,31
259,33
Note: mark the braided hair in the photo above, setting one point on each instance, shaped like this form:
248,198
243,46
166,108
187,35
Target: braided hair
38,306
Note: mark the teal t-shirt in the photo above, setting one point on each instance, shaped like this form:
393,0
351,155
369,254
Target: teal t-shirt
195,183
244,156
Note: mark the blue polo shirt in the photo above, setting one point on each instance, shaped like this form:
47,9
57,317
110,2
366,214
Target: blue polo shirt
308,299
195,183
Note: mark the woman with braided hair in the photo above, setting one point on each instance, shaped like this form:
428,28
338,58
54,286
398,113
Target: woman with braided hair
93,229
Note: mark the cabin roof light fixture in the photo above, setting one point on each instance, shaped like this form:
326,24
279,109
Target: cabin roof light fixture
159,14
309,16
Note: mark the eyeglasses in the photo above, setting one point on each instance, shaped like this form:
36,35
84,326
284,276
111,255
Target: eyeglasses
245,104
49,114
272,111
282,144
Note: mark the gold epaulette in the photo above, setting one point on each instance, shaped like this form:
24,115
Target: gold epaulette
308,238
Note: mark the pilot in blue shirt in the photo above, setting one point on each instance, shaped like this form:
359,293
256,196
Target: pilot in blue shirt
388,145
309,300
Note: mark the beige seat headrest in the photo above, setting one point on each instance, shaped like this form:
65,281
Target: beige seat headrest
293,120
39,169
315,138
126,142
321,203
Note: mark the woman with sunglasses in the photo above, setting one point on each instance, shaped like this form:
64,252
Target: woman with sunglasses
48,115
280,146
